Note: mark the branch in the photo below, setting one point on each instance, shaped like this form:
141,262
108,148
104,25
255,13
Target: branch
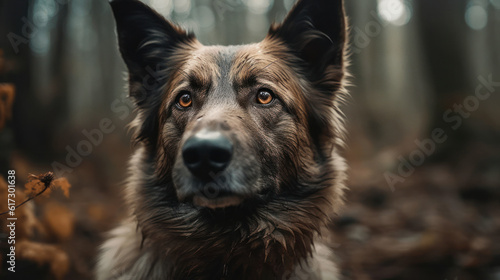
46,179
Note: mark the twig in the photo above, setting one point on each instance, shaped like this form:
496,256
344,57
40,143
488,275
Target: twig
46,179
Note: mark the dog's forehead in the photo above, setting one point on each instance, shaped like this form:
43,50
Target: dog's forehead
210,67
238,64
211,63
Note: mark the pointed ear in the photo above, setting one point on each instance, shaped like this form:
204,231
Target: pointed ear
315,30
147,43
145,38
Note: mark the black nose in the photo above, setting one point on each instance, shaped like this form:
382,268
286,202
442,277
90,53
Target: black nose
206,153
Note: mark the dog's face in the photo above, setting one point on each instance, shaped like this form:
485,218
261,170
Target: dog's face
238,126
234,119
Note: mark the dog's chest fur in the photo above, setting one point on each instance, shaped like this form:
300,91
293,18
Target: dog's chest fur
125,259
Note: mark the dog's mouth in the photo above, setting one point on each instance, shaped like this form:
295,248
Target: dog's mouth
217,202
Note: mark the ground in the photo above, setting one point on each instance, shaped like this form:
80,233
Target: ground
442,222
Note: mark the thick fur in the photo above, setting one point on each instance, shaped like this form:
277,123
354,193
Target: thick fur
286,163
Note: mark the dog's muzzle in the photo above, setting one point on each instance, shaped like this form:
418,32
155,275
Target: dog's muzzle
207,153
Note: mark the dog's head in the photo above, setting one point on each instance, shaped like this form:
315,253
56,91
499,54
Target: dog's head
239,127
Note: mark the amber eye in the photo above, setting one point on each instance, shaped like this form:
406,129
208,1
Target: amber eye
264,96
184,100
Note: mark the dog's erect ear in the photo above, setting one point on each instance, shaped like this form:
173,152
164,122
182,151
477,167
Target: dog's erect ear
145,38
316,31
147,42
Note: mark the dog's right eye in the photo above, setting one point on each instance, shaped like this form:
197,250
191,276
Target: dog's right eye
264,96
184,100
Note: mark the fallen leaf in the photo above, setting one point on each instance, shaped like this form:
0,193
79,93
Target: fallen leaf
44,254
63,184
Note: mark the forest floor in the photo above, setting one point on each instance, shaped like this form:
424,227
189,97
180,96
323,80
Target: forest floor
442,222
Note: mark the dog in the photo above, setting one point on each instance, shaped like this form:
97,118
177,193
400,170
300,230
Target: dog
237,170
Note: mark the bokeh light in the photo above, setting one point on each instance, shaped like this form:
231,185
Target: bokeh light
396,12
40,42
476,17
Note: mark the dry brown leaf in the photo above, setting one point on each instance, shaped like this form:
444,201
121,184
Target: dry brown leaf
44,254
35,187
44,183
39,184
63,184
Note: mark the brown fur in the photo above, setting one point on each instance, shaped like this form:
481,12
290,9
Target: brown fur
286,164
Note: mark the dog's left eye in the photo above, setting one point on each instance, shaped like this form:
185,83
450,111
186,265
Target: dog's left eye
184,100
265,96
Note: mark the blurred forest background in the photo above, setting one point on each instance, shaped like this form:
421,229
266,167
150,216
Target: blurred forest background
423,121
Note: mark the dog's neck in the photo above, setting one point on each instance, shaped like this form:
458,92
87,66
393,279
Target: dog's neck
271,246
257,257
